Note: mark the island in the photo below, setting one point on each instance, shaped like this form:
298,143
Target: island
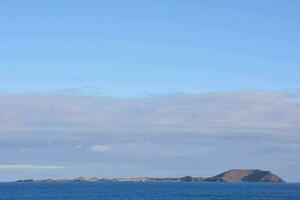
234,175
251,175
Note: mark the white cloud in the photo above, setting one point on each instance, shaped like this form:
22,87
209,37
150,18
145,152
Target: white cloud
100,148
29,167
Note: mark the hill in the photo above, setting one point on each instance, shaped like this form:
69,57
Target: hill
240,175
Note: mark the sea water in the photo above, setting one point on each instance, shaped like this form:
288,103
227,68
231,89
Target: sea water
148,191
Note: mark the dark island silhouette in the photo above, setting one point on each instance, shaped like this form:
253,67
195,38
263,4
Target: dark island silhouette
234,175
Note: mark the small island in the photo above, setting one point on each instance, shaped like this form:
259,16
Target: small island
235,175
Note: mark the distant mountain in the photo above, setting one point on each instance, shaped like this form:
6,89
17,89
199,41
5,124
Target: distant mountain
241,175
235,175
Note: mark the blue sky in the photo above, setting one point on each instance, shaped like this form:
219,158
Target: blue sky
137,48
124,88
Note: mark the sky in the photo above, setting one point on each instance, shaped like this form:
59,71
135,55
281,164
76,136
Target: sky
148,88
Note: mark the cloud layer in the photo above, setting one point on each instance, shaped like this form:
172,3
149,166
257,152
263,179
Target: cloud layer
216,113
214,131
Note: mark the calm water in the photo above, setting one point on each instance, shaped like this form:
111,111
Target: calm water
147,191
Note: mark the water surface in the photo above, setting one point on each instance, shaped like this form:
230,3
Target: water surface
148,191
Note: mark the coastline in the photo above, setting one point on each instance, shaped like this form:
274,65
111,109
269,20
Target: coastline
231,176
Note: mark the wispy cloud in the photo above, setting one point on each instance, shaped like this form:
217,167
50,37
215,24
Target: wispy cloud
100,148
214,113
160,119
30,167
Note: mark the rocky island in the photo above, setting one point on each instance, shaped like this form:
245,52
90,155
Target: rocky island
235,175
252,175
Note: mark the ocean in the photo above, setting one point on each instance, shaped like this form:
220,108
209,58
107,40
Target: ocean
149,191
